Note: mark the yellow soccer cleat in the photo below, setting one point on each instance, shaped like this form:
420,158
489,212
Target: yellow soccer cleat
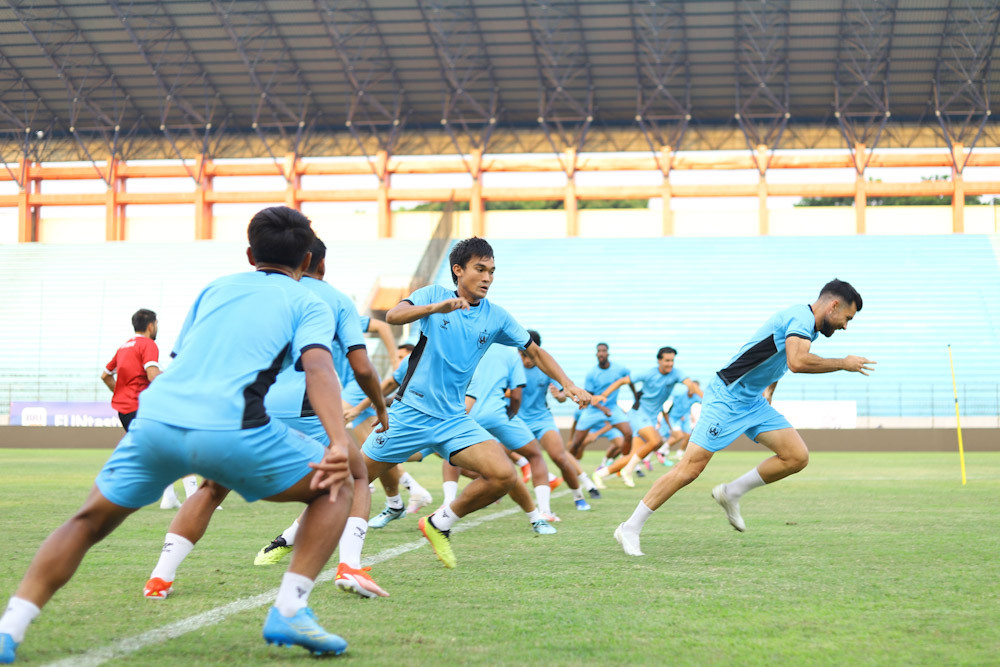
273,552
440,541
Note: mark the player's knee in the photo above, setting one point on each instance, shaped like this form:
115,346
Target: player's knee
798,460
506,478
687,473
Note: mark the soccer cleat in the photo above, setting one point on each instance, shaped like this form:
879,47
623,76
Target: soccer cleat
554,483
594,493
417,502
551,518
732,507
169,503
628,540
661,458
649,464
582,504
627,478
598,480
157,589
526,473
543,527
8,649
639,472
385,516
359,582
440,541
301,630
273,552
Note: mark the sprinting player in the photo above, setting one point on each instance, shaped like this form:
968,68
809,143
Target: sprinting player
499,371
599,380
657,383
129,372
456,328
288,401
679,420
353,392
206,414
736,403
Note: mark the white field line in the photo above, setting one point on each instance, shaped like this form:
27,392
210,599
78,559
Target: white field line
129,645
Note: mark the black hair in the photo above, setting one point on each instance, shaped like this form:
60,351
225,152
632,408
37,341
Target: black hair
665,350
406,346
142,319
600,344
467,249
535,337
318,249
843,290
280,235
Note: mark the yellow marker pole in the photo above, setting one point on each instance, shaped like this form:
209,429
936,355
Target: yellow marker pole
958,419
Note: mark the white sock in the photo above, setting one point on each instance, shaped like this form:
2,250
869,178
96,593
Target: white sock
450,492
638,518
585,481
444,518
190,485
18,615
406,480
543,495
352,541
521,462
293,594
395,502
170,496
175,550
291,532
736,488
630,466
534,515
577,494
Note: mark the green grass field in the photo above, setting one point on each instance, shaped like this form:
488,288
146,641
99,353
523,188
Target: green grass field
861,558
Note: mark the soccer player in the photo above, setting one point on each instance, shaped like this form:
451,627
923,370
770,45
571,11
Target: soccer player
657,383
456,328
536,414
599,380
678,419
288,401
735,403
500,370
206,414
129,372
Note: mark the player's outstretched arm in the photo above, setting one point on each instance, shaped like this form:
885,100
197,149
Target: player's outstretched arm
550,367
323,389
389,385
689,383
620,382
385,335
801,360
405,312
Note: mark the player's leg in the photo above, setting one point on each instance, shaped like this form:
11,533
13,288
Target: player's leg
419,496
393,500
539,477
578,443
552,443
187,527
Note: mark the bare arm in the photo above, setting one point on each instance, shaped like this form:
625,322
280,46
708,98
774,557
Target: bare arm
368,380
469,402
385,334
557,393
689,383
801,360
389,385
769,391
152,372
405,312
515,402
109,380
323,389
550,367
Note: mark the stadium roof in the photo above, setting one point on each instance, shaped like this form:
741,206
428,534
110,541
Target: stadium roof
170,78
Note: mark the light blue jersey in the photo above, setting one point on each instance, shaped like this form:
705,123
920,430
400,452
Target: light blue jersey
223,368
762,361
599,379
450,347
499,369
347,379
656,388
534,398
681,403
287,398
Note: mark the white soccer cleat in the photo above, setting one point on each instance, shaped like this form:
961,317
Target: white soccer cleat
628,540
732,507
627,478
169,503
598,478
418,501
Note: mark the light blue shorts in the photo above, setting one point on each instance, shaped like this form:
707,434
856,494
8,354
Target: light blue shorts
541,425
512,433
613,434
683,424
412,431
255,462
592,418
723,419
310,426
639,420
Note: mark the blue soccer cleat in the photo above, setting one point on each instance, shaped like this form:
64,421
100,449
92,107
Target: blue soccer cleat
301,630
8,649
385,516
582,504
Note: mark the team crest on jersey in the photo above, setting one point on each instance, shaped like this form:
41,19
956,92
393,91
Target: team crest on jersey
483,336
444,324
713,430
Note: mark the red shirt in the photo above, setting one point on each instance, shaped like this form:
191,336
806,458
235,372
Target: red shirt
130,362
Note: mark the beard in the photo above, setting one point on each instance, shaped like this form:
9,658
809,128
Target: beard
826,329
